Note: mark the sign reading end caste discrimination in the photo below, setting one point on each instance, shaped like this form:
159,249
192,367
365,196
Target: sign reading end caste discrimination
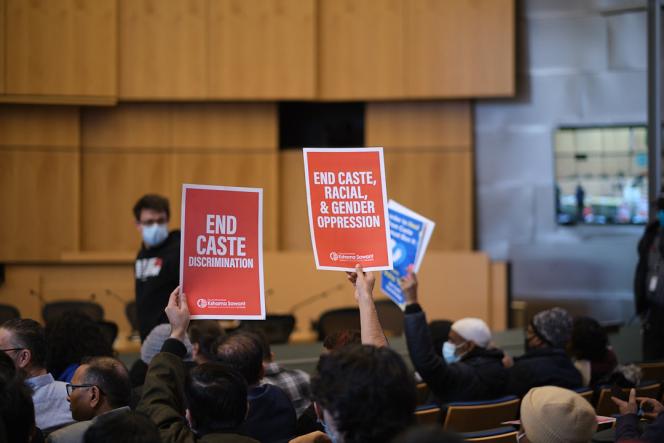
347,204
221,254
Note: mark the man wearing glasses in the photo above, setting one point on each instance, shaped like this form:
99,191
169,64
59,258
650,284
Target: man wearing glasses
157,263
24,341
100,386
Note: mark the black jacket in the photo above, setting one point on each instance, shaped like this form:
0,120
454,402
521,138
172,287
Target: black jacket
641,274
543,367
479,375
157,273
627,428
271,416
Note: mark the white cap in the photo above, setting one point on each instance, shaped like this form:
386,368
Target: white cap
473,329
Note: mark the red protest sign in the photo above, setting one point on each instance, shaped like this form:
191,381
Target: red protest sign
221,254
347,204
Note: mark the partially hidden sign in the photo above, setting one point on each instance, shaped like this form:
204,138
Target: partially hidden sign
221,254
347,203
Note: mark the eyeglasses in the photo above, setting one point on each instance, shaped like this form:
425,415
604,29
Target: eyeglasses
12,349
71,387
159,221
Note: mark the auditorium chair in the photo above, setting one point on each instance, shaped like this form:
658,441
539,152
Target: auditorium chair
586,393
8,312
606,407
53,310
423,392
652,370
505,434
473,416
132,318
277,328
389,314
428,415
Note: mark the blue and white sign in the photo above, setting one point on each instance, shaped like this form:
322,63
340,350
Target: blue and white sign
410,234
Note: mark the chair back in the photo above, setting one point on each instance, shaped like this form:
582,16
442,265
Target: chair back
605,406
428,415
132,316
481,415
109,330
276,328
652,370
337,320
586,393
505,434
8,312
422,394
53,310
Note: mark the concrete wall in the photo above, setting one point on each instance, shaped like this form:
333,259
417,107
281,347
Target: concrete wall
580,62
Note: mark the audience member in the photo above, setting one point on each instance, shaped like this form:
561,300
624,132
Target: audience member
17,413
590,348
66,348
339,339
627,426
370,329
469,368
545,362
24,341
271,415
551,414
427,434
157,267
294,382
363,394
100,386
203,335
213,396
129,427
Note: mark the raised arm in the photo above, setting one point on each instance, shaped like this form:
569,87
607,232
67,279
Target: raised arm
370,328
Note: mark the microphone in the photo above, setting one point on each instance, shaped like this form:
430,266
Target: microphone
112,294
318,296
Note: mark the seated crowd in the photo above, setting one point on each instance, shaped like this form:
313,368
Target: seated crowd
196,382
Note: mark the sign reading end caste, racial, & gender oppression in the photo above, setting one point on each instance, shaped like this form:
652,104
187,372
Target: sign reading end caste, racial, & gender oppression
347,203
221,254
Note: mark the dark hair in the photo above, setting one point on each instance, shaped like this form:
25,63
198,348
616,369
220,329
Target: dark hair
368,391
589,340
216,396
17,412
71,337
344,337
112,378
205,333
427,434
152,201
125,427
242,351
29,334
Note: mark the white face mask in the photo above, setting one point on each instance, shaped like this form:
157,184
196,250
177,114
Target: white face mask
154,234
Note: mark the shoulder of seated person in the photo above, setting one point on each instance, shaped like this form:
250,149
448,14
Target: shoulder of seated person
63,434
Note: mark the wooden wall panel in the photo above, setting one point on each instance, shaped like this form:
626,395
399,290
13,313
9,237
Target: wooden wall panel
438,185
444,125
3,25
65,47
361,49
163,49
294,232
111,183
459,48
39,126
262,49
233,169
225,126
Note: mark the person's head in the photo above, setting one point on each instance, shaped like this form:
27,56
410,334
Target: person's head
24,341
427,434
216,398
17,412
99,385
551,414
203,334
152,213
589,340
71,337
550,328
465,335
126,427
155,340
339,339
364,394
243,352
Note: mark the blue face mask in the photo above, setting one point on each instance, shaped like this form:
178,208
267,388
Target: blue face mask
154,234
660,217
449,353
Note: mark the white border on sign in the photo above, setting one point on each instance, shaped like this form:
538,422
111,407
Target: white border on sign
386,219
186,186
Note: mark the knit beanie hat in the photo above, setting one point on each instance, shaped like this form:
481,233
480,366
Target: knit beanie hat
155,340
473,329
555,415
553,325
